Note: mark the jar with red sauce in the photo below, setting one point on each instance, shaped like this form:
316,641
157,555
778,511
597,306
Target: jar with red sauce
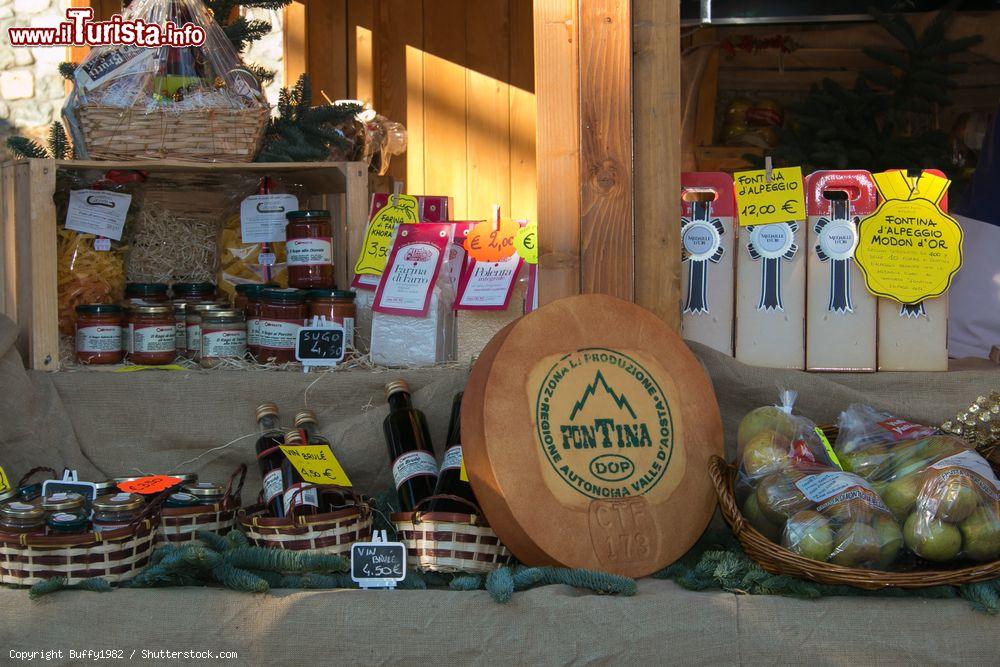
194,292
336,306
154,335
99,333
282,313
309,249
251,311
143,293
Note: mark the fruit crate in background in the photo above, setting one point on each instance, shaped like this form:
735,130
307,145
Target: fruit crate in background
28,292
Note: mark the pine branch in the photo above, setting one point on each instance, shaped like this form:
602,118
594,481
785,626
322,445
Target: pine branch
68,70
59,146
22,147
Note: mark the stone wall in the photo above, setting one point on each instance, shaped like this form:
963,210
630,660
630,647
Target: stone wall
31,89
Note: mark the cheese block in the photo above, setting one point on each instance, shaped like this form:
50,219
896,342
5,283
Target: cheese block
587,427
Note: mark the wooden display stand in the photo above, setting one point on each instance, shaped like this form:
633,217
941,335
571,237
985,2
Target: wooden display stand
28,235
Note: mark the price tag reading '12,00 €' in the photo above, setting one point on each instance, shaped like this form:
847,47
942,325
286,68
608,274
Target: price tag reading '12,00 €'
761,201
317,464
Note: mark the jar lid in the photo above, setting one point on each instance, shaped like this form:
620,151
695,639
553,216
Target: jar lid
62,500
203,489
185,477
196,288
118,502
222,315
99,308
142,289
330,294
305,215
8,494
181,499
149,309
19,510
180,306
284,294
202,308
67,520
106,486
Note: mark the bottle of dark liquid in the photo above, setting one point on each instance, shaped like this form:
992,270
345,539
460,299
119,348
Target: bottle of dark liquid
450,481
270,458
414,468
331,498
298,493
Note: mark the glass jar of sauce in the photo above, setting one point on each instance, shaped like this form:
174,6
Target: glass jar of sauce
309,249
207,493
62,501
154,334
336,306
282,313
194,292
99,333
223,336
193,314
68,522
116,511
252,311
19,517
144,293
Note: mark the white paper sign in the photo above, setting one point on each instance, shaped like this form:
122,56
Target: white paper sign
98,212
262,217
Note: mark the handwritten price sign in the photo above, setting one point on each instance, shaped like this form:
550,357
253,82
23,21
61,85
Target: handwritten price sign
317,464
488,242
762,202
526,243
401,210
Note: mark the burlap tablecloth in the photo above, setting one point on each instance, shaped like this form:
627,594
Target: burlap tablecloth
106,424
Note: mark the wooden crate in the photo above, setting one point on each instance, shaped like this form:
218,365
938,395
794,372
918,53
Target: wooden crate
28,231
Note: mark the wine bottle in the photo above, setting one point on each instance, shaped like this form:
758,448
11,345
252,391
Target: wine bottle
298,493
306,420
270,458
331,498
450,481
414,468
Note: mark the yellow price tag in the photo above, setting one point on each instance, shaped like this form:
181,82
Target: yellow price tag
401,210
317,464
462,474
5,483
909,249
828,447
526,243
762,202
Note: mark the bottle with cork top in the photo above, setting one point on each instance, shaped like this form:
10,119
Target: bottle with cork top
414,468
301,495
270,458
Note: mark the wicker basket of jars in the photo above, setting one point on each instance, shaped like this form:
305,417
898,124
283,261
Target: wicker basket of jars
776,559
31,553
332,532
203,506
450,542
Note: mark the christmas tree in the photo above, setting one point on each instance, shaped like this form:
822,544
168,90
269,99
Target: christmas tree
887,119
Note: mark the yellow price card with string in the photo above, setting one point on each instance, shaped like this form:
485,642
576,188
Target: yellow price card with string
763,201
317,464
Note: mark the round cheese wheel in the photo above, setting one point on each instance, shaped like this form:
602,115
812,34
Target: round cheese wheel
587,428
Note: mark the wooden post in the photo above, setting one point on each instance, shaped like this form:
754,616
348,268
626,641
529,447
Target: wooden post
607,82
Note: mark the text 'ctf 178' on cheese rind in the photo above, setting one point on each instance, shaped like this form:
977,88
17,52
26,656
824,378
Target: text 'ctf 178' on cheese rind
587,428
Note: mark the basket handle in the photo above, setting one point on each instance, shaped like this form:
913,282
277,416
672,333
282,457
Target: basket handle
292,505
34,471
444,496
721,475
241,471
152,507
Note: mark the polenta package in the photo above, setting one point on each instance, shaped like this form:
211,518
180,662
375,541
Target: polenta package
943,494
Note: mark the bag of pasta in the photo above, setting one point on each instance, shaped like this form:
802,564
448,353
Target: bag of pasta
242,263
944,494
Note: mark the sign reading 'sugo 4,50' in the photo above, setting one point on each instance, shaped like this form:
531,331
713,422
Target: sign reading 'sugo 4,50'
587,428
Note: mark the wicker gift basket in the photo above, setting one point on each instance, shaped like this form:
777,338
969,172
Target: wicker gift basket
330,532
450,542
115,555
179,525
191,103
776,559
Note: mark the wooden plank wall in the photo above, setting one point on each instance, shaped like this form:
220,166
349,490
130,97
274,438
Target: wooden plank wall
458,73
